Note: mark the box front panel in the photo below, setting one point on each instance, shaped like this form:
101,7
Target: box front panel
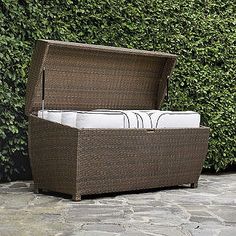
122,160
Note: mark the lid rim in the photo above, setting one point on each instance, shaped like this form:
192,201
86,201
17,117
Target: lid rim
108,48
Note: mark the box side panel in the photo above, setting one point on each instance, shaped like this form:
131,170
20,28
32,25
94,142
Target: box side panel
35,74
53,152
122,160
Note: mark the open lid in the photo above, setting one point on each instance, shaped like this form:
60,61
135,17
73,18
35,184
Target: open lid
85,77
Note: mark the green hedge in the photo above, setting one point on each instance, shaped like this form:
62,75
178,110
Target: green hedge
201,32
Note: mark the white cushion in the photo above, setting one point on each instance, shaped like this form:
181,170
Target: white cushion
175,119
52,115
106,119
43,114
69,118
123,118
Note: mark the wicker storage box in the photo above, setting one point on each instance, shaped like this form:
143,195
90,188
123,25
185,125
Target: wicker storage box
91,161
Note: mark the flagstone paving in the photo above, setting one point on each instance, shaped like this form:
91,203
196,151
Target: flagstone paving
208,210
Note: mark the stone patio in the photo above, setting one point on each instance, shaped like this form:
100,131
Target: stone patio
208,210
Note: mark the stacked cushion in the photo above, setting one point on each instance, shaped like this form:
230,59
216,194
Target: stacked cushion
174,119
106,119
123,118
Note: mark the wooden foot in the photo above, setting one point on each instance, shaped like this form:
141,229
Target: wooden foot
194,185
76,197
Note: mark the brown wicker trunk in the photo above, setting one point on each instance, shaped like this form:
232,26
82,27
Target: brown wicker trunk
91,161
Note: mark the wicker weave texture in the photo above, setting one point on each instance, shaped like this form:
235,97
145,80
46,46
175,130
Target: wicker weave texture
89,77
112,160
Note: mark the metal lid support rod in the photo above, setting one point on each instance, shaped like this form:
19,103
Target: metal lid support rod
167,89
43,91
167,98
